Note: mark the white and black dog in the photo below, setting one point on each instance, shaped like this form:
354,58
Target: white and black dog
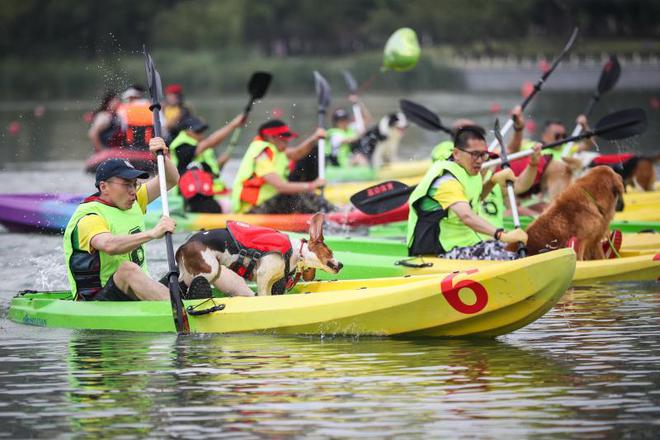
227,257
380,143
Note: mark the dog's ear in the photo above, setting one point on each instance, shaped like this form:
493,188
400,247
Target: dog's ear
316,227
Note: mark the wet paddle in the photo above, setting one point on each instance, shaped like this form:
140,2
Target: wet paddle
509,186
538,85
155,89
392,194
422,116
323,95
257,87
608,79
357,111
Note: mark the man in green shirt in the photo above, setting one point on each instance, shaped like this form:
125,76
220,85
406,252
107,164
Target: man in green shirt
103,240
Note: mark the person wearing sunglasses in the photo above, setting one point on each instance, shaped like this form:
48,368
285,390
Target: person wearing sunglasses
444,217
103,241
262,183
553,130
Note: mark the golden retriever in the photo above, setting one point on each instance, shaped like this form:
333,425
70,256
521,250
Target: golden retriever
583,210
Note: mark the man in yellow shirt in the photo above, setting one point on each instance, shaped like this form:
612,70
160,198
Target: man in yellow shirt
104,237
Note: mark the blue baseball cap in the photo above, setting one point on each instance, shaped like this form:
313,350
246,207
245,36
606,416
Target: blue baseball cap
118,168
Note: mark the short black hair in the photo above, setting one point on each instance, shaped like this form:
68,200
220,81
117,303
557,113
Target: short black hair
467,132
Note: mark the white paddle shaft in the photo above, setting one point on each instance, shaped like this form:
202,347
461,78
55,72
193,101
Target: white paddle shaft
567,148
359,120
163,184
321,154
514,156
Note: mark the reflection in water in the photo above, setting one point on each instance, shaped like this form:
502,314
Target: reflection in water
589,368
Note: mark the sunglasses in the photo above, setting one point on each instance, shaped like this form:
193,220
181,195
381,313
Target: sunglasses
476,155
560,136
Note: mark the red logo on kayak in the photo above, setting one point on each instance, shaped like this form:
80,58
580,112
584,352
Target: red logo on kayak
450,291
380,189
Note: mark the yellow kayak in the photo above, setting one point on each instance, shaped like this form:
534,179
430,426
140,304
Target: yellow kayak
486,301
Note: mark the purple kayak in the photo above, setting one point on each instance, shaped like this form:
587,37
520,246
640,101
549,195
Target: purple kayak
41,212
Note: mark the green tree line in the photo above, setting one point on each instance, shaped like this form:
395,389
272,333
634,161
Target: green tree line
90,29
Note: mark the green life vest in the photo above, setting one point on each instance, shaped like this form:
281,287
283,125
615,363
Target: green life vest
249,189
88,272
492,207
344,152
442,151
207,157
438,230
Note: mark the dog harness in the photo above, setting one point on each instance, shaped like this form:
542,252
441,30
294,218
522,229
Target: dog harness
253,242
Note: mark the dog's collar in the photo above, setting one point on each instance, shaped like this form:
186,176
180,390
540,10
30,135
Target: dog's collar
593,199
298,271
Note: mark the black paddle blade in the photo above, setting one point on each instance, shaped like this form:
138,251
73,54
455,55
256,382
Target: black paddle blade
382,197
322,91
498,135
610,75
422,116
622,124
258,84
153,78
350,81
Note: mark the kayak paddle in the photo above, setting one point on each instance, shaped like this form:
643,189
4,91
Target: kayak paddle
357,111
155,89
392,194
257,87
509,185
608,79
422,116
538,85
323,95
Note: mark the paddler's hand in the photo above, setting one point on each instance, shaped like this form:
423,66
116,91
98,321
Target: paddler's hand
319,133
515,236
518,118
536,155
318,183
353,98
157,144
503,176
582,122
238,121
164,225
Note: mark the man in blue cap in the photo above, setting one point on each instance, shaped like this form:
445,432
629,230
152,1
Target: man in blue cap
104,237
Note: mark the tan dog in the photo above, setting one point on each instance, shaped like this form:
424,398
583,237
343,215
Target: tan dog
583,210
211,253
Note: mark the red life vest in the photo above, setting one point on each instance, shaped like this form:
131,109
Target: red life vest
519,165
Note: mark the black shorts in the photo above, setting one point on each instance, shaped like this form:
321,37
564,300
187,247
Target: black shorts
110,292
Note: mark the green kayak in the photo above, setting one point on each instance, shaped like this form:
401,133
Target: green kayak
366,257
398,229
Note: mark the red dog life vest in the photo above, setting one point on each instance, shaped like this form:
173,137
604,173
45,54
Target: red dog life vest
253,242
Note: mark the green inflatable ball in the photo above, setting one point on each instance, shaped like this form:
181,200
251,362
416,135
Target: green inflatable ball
401,50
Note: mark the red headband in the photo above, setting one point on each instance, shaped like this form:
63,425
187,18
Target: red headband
282,131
